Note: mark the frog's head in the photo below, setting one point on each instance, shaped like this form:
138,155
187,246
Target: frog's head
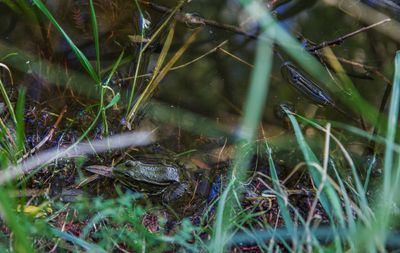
127,168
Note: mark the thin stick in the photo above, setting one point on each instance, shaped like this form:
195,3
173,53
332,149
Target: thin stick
201,56
340,40
236,58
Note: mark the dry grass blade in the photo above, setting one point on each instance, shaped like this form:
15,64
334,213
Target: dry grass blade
142,50
155,81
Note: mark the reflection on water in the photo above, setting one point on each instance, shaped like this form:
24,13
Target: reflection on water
214,86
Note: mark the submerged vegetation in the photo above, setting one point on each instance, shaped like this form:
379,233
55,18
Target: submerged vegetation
143,126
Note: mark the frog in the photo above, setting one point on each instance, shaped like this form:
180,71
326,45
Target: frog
174,182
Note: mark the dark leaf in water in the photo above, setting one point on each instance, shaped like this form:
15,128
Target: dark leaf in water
305,85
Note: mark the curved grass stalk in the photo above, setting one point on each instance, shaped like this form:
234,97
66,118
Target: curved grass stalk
360,190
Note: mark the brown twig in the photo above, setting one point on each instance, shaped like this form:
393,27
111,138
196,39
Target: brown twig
340,40
194,20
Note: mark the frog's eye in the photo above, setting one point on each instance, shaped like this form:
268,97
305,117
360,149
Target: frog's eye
130,163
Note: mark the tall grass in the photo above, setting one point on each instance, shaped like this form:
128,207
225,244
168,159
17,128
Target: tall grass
255,102
330,196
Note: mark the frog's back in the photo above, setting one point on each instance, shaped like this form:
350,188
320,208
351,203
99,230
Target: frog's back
160,173
148,172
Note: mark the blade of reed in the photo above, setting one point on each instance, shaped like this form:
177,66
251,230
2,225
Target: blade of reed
78,53
374,238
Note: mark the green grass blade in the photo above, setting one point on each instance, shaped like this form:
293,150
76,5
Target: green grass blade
12,5
115,98
276,184
20,128
95,31
113,101
78,53
221,227
391,173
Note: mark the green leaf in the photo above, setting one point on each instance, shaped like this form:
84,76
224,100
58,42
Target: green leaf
95,30
115,100
20,113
